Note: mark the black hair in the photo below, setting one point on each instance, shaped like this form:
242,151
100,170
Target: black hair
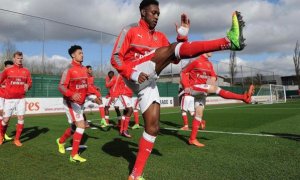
73,49
8,62
88,66
146,3
110,72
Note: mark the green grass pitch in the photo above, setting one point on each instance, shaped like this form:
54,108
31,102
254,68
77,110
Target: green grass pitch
274,155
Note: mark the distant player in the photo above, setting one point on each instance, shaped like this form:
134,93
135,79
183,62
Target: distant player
187,105
126,99
95,95
74,88
17,82
112,98
141,53
7,64
136,108
198,79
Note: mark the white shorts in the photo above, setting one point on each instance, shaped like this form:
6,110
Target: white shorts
187,103
126,101
74,111
116,102
200,100
147,91
1,103
11,105
89,102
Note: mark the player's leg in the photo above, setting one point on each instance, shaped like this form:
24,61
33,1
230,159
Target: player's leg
150,108
184,108
246,97
106,109
126,102
198,121
119,115
9,106
6,137
136,115
76,111
234,41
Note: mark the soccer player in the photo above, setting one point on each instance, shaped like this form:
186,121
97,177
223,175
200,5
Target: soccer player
74,88
187,105
141,53
7,64
17,83
95,97
126,99
198,79
136,109
112,98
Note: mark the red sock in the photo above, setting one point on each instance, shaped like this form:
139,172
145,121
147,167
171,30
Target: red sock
122,122
102,113
229,95
1,129
145,147
185,119
19,130
65,136
196,48
76,141
196,124
126,123
136,117
106,119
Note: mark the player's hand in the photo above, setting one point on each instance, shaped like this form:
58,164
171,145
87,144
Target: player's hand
26,86
142,77
187,91
98,100
185,22
76,97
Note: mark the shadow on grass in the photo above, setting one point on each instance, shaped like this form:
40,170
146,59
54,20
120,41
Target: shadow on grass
120,148
293,137
175,133
30,133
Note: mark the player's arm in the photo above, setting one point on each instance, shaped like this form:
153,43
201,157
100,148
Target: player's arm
28,84
64,83
110,82
3,76
213,78
183,29
185,80
117,59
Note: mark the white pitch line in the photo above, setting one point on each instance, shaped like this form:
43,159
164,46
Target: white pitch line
226,132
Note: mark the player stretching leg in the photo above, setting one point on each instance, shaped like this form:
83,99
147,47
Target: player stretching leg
141,53
198,79
74,87
7,64
17,83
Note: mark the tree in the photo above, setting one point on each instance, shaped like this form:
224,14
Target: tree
8,50
296,58
232,66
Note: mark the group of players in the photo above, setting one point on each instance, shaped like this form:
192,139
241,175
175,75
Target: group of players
139,55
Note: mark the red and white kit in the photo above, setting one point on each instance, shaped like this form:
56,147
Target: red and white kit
132,53
74,80
195,76
16,79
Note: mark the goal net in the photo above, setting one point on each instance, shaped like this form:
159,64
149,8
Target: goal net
270,93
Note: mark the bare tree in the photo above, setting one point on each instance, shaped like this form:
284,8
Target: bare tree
296,58
8,50
232,66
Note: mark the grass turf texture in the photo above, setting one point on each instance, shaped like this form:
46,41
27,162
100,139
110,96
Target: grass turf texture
110,156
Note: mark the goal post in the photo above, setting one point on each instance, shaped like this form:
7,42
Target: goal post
270,93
